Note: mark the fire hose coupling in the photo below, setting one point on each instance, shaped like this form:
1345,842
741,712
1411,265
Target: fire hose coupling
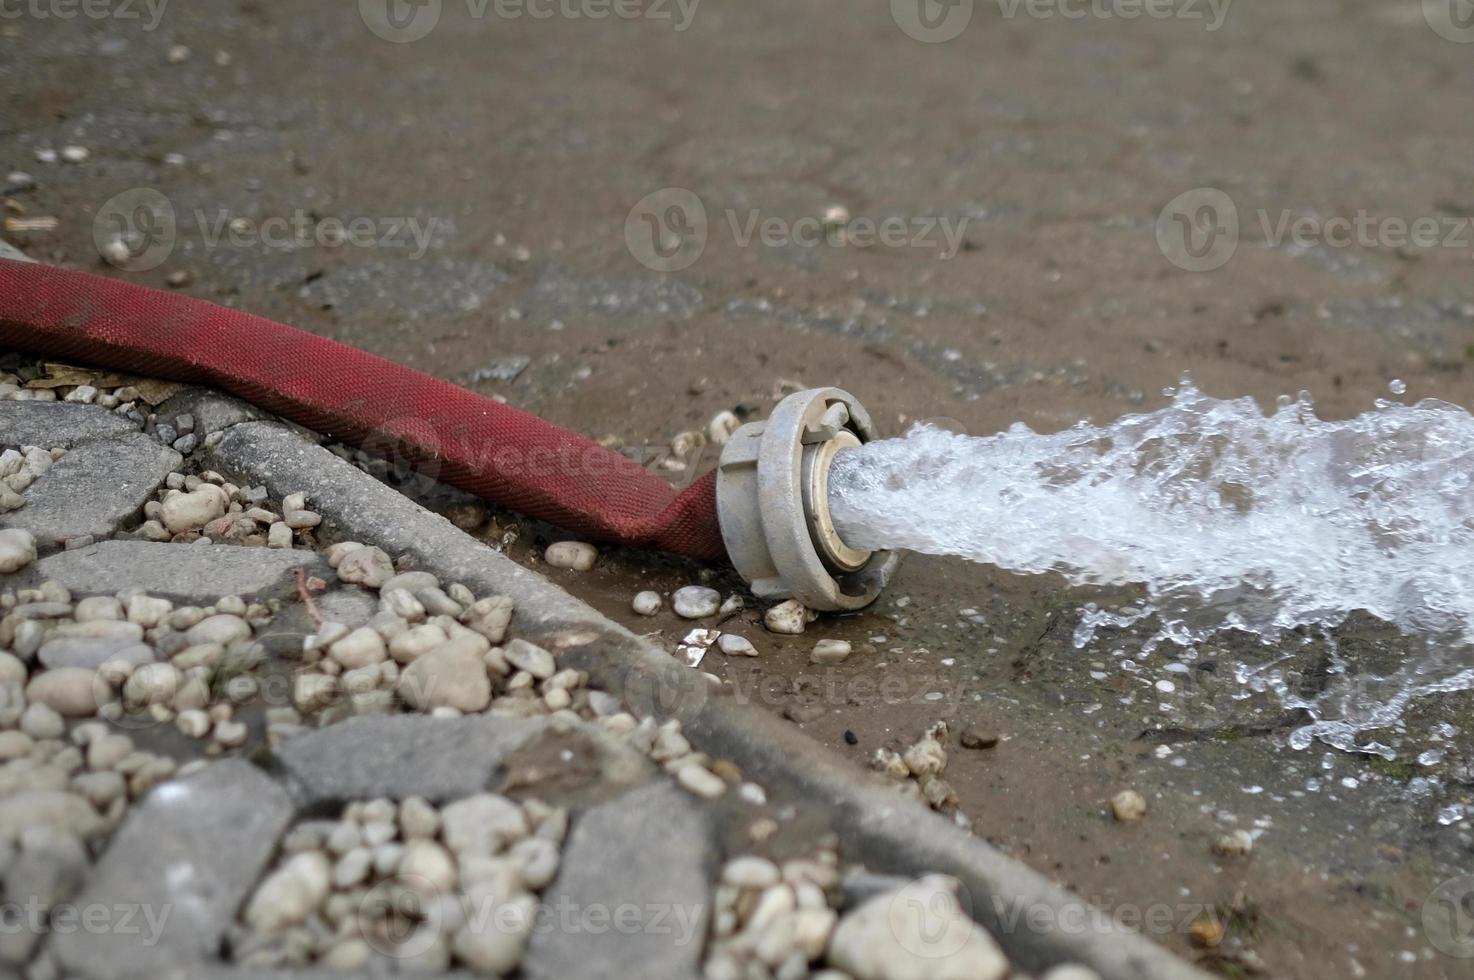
773,504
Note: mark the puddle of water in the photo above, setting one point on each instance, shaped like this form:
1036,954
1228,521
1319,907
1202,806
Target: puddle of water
1277,526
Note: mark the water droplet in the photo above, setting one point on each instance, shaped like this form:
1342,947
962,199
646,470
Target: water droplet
1397,386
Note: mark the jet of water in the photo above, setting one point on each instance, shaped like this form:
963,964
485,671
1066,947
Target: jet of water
1257,522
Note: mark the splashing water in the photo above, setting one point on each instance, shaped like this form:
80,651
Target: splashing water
1229,518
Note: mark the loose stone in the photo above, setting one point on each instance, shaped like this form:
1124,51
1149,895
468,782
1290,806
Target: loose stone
531,658
17,550
221,629
498,951
417,818
647,603
446,678
369,567
751,872
701,781
490,617
98,608
787,617
482,824
830,652
301,520
736,646
538,859
290,894
42,721
279,536
72,691
696,602
415,642
426,859
1128,805
1239,843
920,932
361,648
193,510
974,738
575,555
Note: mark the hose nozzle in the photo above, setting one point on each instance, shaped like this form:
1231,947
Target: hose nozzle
773,504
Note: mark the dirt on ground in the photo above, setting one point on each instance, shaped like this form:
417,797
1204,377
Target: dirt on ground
517,194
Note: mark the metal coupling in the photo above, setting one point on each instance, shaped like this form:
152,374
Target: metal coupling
773,504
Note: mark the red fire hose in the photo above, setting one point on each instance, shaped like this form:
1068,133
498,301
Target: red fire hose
497,452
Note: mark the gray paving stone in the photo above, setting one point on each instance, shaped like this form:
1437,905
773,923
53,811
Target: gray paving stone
212,410
650,850
360,508
51,424
187,573
187,854
93,489
401,755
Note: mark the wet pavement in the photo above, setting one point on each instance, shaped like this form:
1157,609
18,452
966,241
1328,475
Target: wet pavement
632,205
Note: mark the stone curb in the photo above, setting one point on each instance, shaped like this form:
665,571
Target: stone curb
894,834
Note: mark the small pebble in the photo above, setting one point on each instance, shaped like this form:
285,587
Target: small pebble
647,603
751,872
736,646
787,617
701,781
575,555
17,550
696,602
830,652
973,738
1239,843
1128,805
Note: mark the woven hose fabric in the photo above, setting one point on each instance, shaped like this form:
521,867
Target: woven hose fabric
499,453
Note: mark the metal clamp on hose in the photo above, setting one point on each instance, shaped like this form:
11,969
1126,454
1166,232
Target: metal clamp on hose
773,504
